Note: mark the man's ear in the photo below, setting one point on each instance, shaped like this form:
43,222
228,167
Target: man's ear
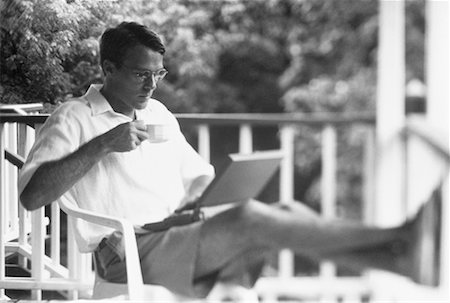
108,67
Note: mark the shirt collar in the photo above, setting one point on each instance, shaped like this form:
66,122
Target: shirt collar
97,101
100,105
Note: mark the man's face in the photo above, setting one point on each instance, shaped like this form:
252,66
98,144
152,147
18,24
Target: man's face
132,84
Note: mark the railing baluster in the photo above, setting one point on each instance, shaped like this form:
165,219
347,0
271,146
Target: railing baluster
204,141
38,247
369,176
11,188
328,189
55,235
2,210
7,185
245,139
286,257
328,182
23,145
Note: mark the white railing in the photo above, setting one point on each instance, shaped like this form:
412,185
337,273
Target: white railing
25,232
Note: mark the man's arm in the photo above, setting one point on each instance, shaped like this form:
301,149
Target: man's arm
194,192
52,179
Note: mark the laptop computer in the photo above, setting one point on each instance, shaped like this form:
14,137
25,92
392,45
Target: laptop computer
243,178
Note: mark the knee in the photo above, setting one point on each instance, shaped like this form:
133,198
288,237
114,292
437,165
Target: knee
249,219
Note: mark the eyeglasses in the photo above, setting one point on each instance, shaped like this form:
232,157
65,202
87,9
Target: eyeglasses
143,75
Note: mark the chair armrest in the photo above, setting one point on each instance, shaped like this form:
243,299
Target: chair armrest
135,282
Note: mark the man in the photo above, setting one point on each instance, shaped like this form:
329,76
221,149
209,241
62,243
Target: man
95,151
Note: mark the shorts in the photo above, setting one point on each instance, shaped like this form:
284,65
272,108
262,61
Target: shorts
168,258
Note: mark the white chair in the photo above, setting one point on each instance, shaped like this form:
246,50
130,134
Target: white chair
135,289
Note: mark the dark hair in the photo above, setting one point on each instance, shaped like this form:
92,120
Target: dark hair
115,42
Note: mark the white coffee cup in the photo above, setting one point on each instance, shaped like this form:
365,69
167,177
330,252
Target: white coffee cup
159,133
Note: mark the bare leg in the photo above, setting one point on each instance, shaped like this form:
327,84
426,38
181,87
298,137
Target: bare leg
392,256
415,255
254,224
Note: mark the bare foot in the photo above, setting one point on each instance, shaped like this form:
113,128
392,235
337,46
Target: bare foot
424,257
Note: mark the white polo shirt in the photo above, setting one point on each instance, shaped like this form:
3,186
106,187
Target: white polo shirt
144,185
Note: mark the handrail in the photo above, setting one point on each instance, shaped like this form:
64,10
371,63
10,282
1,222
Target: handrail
22,109
16,118
237,118
277,118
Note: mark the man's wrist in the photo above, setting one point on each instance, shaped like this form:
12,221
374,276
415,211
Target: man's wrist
98,147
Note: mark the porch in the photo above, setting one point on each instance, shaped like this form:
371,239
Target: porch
405,159
36,241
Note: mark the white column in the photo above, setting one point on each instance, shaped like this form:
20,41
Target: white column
389,195
437,53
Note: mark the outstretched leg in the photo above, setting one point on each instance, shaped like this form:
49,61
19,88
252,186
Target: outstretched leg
416,256
254,224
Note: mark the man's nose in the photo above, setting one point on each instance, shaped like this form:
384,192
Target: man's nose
150,82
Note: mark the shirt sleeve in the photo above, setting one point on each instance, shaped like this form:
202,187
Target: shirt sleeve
192,165
58,137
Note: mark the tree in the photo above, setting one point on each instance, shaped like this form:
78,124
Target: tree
49,48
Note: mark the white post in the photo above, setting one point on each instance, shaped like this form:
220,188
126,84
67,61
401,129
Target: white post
437,53
23,147
328,188
11,187
37,251
286,257
2,211
203,141
389,194
389,200
245,139
37,245
55,235
437,59
369,176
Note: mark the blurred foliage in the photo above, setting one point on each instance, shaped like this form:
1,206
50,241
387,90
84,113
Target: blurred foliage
223,56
